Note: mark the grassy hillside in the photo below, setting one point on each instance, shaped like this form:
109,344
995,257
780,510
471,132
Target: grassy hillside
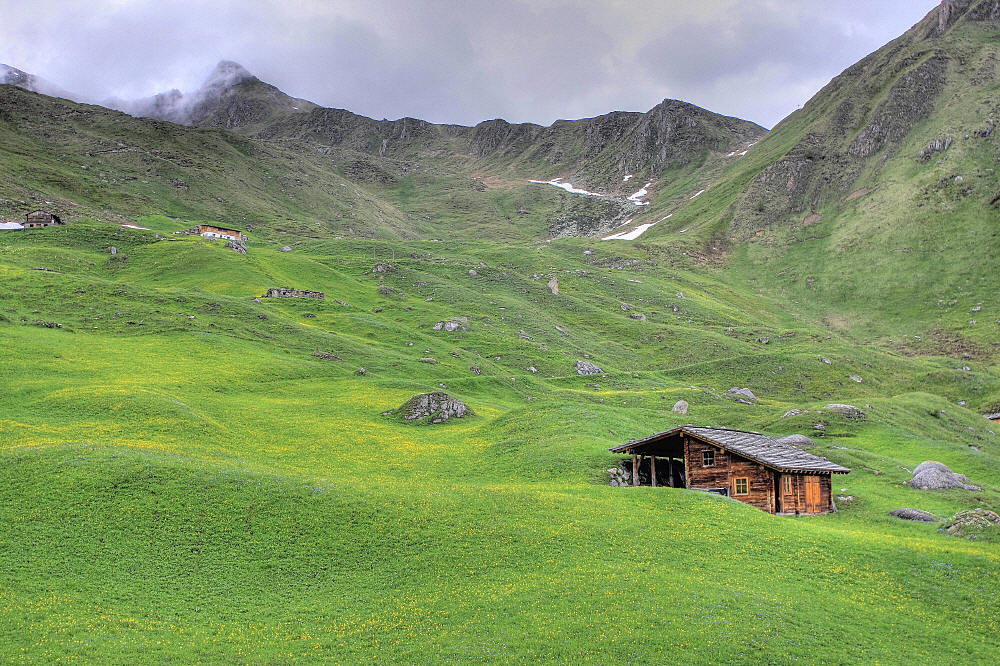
881,190
185,480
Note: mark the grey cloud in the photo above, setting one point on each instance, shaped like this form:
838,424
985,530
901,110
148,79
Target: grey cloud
463,62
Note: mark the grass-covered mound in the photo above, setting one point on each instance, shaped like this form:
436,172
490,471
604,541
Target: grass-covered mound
188,473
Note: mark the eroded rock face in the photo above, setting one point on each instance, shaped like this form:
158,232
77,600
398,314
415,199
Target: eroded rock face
914,514
435,407
587,368
932,475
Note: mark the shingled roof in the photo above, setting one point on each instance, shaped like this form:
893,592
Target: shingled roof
992,417
751,445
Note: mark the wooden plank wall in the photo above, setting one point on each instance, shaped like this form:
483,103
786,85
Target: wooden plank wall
796,502
727,468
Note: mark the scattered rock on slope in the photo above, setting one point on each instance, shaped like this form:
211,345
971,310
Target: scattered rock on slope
847,411
435,407
797,440
972,522
453,324
742,395
681,407
587,368
914,514
932,475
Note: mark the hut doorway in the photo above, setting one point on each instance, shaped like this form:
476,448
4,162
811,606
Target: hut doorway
813,494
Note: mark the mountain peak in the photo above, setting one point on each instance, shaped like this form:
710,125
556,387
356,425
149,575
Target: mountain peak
16,77
226,74
12,75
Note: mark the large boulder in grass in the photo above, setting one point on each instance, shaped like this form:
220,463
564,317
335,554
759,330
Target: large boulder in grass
800,441
914,514
435,407
681,407
932,475
587,368
847,411
742,395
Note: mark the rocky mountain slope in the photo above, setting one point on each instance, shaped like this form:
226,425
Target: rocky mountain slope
602,154
881,190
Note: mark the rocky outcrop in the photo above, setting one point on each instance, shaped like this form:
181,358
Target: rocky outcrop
288,292
453,324
936,146
587,368
972,523
589,217
932,475
950,11
910,100
238,246
433,408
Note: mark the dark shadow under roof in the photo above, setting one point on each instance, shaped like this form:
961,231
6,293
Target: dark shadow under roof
751,445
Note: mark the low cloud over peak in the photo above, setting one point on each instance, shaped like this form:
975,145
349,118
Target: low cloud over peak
459,62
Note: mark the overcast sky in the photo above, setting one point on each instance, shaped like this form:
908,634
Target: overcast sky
463,61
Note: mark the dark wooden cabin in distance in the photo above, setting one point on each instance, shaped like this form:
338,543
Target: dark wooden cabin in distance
40,218
995,417
747,466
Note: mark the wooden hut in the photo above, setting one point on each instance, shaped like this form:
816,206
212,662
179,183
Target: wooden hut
40,218
755,469
993,417
211,231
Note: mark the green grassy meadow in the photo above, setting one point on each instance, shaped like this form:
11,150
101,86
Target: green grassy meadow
184,480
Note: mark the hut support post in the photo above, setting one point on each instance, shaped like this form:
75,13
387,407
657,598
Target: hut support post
652,470
670,472
635,469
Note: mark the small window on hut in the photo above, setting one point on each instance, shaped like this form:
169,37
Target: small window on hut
742,486
786,484
708,458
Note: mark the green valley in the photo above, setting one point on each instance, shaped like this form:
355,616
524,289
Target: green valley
192,472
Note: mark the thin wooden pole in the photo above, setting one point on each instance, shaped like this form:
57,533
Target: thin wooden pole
652,470
635,469
670,471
